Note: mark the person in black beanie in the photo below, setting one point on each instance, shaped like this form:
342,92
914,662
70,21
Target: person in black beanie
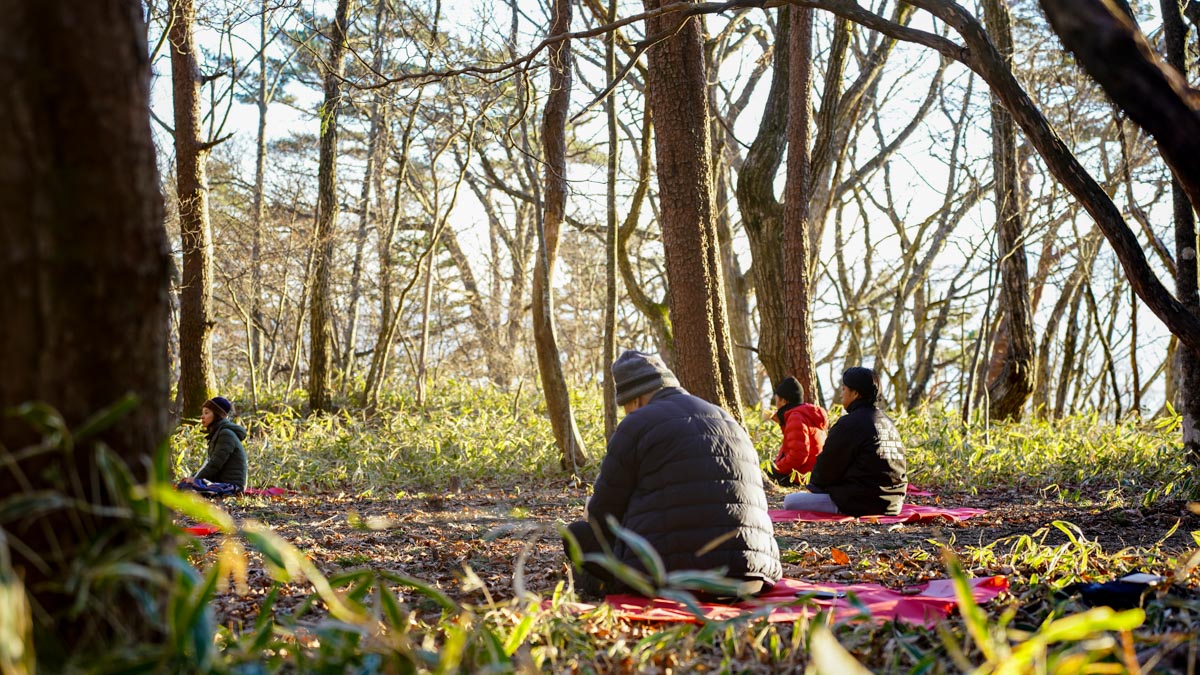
224,470
684,475
804,426
862,469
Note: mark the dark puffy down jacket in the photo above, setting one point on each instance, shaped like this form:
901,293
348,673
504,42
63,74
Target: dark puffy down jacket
682,473
862,466
226,461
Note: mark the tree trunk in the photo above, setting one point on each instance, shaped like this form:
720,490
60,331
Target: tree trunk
365,201
796,245
1175,32
260,211
762,214
613,224
84,263
1010,389
320,307
676,91
191,156
554,149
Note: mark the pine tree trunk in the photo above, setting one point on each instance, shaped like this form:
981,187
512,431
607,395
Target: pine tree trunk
320,307
85,265
677,82
796,245
191,155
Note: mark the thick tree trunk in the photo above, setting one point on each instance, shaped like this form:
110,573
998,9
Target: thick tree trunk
677,82
84,263
554,150
191,155
320,308
796,245
1010,389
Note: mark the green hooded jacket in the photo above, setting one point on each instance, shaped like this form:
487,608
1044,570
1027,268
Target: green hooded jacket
226,461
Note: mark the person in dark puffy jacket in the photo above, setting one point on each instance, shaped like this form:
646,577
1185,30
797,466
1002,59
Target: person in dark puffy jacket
862,470
682,473
804,426
224,471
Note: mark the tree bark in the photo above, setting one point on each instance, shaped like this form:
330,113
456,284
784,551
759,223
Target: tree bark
320,307
797,277
554,149
366,202
85,264
191,188
762,213
613,225
1010,389
676,86
260,210
1188,405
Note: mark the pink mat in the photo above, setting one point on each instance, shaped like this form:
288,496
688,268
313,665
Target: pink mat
914,491
202,530
909,513
270,491
925,604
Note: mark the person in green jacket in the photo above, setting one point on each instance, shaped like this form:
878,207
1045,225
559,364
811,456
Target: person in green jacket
224,471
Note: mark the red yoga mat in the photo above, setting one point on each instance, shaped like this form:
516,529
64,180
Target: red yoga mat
909,513
270,491
925,604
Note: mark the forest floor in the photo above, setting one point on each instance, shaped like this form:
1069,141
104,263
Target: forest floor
500,529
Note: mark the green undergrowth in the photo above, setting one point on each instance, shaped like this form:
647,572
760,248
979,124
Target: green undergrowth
381,621
467,433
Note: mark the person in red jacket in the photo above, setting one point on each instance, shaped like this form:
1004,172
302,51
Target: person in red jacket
804,426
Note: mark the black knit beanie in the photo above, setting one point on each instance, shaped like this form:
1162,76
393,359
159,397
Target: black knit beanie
788,389
862,380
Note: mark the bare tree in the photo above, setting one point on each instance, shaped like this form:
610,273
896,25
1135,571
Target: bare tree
1010,388
554,151
1156,97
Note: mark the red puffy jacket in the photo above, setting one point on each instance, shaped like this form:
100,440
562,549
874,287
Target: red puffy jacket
804,429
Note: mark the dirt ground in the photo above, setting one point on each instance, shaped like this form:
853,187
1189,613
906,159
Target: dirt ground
501,532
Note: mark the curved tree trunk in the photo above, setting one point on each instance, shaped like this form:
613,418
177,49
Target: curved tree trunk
191,188
1010,388
84,262
320,309
554,148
